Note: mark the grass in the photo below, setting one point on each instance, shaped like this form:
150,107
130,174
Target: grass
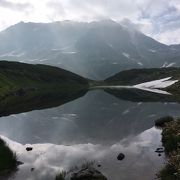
15,75
25,87
61,175
162,121
171,143
8,159
136,76
87,164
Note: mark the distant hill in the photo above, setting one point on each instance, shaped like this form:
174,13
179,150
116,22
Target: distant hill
141,76
136,76
25,87
94,50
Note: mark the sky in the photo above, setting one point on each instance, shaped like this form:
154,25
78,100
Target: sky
159,19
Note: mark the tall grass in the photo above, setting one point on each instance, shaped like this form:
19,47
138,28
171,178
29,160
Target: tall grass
8,159
61,175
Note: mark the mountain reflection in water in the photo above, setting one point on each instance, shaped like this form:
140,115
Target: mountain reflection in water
97,126
49,159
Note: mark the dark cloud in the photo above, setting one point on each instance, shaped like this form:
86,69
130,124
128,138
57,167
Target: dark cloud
15,6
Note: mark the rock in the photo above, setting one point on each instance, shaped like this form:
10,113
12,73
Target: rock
29,149
32,169
121,156
159,150
88,173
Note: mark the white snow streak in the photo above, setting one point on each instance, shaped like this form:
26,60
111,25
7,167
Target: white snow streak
166,65
161,83
126,55
152,50
156,85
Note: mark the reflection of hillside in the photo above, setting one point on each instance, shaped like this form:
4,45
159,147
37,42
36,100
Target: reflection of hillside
95,118
137,95
16,104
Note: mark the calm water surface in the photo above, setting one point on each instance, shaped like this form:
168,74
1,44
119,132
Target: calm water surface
96,127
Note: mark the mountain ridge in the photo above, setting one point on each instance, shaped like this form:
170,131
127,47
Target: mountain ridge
95,50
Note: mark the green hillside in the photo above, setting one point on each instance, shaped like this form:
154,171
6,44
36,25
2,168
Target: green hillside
25,87
135,76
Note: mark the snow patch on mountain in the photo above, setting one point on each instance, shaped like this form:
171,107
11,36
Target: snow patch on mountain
110,45
156,85
13,54
126,55
152,50
166,65
140,63
71,52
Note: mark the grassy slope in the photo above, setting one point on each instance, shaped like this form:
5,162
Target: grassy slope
14,75
136,76
25,87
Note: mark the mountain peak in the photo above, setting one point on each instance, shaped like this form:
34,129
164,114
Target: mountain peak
95,50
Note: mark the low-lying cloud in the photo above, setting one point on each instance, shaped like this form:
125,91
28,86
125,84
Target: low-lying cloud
15,6
159,19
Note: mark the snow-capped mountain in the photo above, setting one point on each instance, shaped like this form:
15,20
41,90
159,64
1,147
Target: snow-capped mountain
94,50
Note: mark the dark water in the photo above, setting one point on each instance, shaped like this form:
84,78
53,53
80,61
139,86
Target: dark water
96,127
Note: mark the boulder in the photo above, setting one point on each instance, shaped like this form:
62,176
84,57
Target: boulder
88,173
121,156
29,149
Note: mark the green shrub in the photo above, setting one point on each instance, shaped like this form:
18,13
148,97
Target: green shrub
61,175
171,143
162,121
8,159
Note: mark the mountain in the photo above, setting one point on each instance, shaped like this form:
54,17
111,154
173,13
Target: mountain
94,50
26,87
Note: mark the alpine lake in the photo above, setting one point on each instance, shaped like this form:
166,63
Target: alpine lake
95,127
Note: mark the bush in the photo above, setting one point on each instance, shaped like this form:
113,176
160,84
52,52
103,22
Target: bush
8,159
171,143
162,121
61,175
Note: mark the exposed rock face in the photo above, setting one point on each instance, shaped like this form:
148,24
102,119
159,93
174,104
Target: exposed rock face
89,173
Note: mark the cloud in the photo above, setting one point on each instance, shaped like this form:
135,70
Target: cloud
169,36
94,9
154,18
15,6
